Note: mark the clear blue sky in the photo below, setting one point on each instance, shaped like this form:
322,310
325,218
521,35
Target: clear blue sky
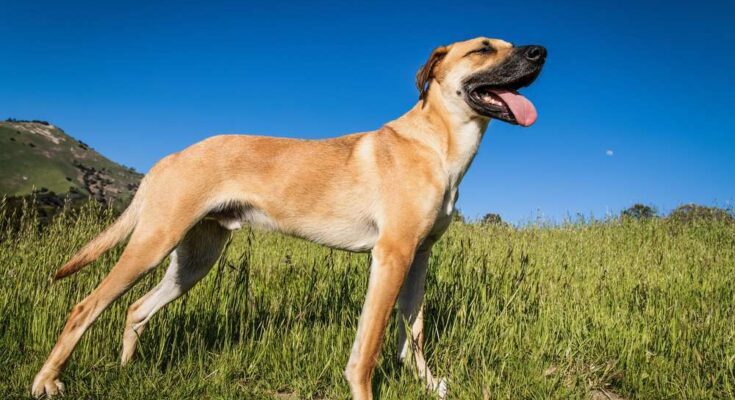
650,81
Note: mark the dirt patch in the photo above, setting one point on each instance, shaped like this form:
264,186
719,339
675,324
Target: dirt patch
46,131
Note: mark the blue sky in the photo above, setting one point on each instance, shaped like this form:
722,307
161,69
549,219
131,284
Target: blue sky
649,81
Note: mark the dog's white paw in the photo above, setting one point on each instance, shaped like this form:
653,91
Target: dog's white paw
440,388
46,385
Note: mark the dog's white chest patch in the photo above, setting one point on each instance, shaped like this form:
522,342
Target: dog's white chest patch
449,205
231,224
444,217
450,199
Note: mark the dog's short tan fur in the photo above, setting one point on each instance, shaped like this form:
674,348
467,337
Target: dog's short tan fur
391,191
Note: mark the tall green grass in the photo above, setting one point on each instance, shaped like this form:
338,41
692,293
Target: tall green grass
643,309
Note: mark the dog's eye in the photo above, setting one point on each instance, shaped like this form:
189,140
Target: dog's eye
482,50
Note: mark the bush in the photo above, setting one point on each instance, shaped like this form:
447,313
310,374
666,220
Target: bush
639,211
493,219
693,212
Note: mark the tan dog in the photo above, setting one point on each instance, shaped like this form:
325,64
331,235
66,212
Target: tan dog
391,191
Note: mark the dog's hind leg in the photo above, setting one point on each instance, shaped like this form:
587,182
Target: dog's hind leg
189,263
411,318
148,245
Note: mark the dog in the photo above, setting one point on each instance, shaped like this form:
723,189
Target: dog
391,192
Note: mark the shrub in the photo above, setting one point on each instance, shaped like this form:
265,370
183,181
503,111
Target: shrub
639,211
694,212
493,219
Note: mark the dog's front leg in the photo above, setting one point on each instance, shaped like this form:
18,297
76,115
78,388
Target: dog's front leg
391,261
411,313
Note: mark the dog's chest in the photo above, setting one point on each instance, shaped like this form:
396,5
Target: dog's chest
450,199
444,216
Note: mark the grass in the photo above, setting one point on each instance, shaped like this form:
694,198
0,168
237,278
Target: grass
642,309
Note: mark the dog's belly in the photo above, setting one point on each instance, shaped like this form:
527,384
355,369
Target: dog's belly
352,234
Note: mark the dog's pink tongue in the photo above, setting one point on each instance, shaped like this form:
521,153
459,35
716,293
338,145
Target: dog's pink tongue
521,107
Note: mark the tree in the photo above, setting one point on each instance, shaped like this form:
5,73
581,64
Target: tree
639,211
492,219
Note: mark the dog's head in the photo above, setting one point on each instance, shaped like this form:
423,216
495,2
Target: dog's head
481,77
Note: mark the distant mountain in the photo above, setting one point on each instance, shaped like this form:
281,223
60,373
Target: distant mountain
35,155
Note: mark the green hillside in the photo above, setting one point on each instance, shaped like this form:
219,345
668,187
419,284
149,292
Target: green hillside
36,154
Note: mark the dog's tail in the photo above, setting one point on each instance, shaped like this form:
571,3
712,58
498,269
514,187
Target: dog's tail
111,236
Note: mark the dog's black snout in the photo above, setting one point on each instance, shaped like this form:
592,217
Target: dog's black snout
536,54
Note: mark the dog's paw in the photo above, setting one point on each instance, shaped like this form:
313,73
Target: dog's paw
440,388
45,385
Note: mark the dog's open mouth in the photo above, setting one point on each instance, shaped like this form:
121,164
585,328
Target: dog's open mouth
493,92
504,104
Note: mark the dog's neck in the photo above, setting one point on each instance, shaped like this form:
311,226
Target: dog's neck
445,128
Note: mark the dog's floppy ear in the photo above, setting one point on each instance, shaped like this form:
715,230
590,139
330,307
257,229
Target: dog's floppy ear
426,72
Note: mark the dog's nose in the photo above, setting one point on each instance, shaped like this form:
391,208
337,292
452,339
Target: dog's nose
536,54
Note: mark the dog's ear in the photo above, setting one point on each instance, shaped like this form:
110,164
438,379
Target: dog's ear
426,72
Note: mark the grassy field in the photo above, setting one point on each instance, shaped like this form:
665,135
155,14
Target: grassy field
639,309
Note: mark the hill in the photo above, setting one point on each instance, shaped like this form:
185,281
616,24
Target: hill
39,156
